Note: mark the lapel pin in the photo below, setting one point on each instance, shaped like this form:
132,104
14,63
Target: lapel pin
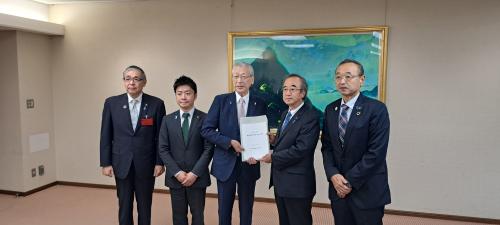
124,106
197,117
175,117
358,113
145,106
255,103
336,108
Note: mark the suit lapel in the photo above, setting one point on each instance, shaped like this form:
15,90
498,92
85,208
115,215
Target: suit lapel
233,110
126,112
178,127
353,119
295,118
142,111
252,104
194,122
334,127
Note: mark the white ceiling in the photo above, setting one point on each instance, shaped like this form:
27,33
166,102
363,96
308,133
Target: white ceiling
79,1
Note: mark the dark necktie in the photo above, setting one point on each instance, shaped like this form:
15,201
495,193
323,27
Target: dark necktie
343,122
185,127
287,119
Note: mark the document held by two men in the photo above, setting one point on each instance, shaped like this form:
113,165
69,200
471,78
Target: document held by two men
254,138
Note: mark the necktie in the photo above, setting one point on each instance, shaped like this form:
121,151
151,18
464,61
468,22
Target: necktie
241,108
185,127
134,113
343,122
287,119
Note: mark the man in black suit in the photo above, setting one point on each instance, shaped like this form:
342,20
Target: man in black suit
221,127
355,139
292,168
186,155
129,145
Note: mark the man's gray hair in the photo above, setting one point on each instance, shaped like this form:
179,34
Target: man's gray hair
135,68
243,64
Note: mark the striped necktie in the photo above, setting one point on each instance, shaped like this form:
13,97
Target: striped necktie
343,122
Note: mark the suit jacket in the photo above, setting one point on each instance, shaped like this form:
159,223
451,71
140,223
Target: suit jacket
362,160
292,168
121,145
221,126
179,156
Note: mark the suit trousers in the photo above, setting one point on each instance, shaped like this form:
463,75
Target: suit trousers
294,211
345,212
226,193
142,188
181,199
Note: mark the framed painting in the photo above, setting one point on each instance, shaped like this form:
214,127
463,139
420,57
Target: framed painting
313,54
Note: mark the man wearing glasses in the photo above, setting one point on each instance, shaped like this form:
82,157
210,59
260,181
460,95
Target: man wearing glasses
129,145
355,139
292,161
221,127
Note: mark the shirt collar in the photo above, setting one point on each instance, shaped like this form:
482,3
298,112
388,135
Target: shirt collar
139,98
351,102
296,109
191,112
246,97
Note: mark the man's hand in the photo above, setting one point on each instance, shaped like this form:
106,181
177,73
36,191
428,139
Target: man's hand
158,170
272,137
341,185
266,158
181,176
107,171
237,146
251,161
190,179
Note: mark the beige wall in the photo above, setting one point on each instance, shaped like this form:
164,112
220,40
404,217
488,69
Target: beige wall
25,71
34,53
442,82
11,155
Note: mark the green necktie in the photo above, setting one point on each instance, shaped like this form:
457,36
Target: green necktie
185,127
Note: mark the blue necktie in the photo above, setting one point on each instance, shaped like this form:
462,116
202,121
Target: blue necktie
343,122
287,119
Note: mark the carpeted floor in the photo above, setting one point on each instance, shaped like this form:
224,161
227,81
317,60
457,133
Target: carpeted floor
67,205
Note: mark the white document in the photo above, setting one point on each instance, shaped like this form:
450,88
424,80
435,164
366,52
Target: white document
254,139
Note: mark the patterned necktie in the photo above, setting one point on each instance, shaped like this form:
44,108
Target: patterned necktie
185,127
343,122
134,113
287,119
241,108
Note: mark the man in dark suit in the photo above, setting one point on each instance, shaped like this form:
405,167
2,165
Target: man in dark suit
292,168
221,127
129,145
186,155
355,138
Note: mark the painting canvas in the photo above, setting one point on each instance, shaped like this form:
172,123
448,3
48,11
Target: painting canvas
313,54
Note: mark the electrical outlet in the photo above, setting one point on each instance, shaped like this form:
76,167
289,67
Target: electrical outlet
33,172
41,170
30,103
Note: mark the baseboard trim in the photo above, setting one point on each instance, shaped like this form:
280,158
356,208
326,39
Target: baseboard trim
443,216
269,200
23,194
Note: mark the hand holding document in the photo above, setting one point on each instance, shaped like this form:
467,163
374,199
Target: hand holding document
254,138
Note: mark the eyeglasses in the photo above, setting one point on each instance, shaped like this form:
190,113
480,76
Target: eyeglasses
133,79
291,90
243,77
347,77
